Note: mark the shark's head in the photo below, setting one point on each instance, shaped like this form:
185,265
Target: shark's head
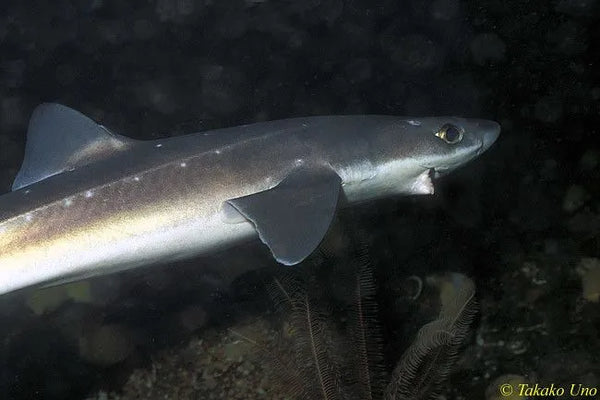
446,143
407,152
439,145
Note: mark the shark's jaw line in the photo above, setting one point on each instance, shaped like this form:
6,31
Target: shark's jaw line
439,170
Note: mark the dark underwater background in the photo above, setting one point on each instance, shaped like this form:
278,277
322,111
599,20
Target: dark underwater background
522,222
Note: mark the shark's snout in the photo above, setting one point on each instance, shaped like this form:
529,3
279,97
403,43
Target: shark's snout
489,131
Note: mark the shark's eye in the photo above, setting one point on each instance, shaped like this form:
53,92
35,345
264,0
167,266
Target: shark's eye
451,134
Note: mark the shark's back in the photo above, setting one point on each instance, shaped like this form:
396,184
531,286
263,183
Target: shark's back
68,153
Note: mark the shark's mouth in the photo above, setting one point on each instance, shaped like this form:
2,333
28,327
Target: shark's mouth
437,172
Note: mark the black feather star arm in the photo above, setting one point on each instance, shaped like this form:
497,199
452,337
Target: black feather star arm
365,332
312,344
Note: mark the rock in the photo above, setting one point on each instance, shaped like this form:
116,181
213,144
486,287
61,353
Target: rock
49,299
575,197
505,387
107,345
589,271
192,317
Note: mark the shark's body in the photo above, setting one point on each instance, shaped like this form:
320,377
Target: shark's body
88,202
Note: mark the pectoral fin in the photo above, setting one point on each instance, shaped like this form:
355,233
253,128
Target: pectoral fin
293,217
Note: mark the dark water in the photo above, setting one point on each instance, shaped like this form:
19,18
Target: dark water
522,222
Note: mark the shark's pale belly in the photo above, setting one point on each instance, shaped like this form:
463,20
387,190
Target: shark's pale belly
110,246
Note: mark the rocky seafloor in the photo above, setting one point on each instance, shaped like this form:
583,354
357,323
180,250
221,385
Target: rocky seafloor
523,221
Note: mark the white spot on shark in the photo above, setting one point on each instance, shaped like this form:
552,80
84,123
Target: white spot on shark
414,122
27,191
67,202
298,162
217,151
423,184
158,145
28,217
183,165
88,194
136,178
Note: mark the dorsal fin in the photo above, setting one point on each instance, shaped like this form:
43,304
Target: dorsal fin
61,139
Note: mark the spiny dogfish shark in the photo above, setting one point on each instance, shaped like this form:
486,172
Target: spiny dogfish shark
88,202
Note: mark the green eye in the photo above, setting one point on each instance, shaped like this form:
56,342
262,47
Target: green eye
451,134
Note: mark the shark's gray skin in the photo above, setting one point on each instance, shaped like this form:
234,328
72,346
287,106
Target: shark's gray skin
88,202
